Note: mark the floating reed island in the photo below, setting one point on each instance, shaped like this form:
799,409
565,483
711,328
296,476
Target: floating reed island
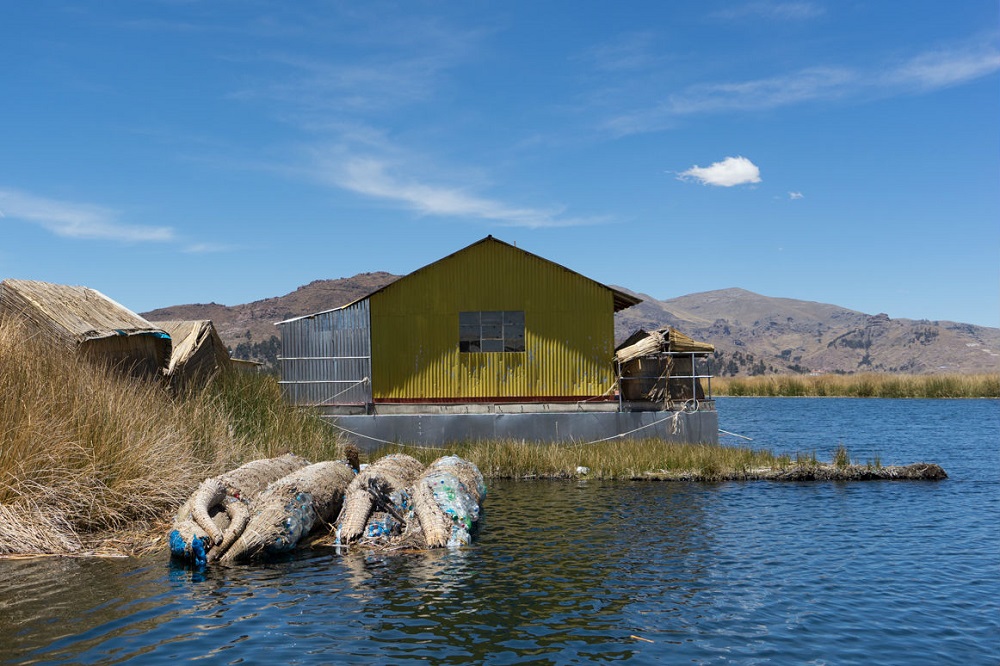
654,459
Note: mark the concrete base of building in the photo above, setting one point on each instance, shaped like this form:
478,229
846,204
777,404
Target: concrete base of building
370,431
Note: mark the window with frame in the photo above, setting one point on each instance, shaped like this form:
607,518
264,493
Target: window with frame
491,331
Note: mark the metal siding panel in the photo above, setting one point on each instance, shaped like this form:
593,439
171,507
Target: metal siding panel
326,358
569,330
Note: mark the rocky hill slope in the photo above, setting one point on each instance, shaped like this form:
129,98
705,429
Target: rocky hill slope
757,334
753,334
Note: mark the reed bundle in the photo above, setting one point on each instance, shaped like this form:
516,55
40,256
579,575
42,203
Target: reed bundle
391,472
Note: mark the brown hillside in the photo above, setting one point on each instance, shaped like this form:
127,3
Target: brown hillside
788,335
752,333
254,322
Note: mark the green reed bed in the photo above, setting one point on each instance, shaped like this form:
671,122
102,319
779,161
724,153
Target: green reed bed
90,460
617,459
654,459
865,385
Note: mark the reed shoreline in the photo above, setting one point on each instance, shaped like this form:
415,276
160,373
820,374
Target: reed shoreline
862,385
96,464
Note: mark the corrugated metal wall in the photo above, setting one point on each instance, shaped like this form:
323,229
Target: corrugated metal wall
326,357
569,330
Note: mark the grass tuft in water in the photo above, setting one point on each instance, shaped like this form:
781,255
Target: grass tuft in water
841,458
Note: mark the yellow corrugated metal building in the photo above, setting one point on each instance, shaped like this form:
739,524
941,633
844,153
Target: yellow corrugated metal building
483,344
489,323
492,323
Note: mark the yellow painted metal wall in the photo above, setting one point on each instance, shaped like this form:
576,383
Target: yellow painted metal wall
569,330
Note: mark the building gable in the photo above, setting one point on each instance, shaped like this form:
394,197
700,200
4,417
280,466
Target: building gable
568,329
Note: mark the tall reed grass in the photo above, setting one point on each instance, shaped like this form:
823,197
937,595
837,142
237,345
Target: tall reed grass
865,385
88,456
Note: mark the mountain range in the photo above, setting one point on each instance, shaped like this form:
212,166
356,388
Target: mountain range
752,334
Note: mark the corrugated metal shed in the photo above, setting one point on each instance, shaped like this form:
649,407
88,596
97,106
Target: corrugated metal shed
198,351
326,357
569,330
404,337
87,321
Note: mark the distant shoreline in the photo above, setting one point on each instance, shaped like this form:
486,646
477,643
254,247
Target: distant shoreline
865,385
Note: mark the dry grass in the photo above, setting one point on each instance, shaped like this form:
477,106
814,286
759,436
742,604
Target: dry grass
866,385
90,458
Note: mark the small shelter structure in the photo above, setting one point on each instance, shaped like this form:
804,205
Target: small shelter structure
198,352
87,322
661,366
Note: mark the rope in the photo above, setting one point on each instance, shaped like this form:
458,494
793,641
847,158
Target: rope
598,397
673,430
376,439
749,439
364,380
358,434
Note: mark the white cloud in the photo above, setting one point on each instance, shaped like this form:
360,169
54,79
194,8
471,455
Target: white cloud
209,248
802,86
940,69
730,171
922,73
76,220
372,177
633,51
795,195
785,11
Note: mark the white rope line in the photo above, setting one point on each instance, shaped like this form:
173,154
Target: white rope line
358,434
598,397
749,439
353,386
673,430
381,441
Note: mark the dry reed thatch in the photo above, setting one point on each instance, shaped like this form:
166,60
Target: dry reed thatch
393,472
647,367
290,508
198,352
249,480
435,526
215,515
85,320
669,339
31,529
914,472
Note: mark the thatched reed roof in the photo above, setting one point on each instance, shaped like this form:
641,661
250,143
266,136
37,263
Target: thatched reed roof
197,348
669,339
70,313
87,321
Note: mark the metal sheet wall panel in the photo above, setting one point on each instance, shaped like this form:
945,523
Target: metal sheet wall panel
569,330
326,357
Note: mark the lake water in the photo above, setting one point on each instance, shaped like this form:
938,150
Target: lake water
572,572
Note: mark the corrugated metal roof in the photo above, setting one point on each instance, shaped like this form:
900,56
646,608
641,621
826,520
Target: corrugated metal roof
622,300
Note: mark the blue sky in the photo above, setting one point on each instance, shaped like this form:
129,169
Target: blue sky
169,152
